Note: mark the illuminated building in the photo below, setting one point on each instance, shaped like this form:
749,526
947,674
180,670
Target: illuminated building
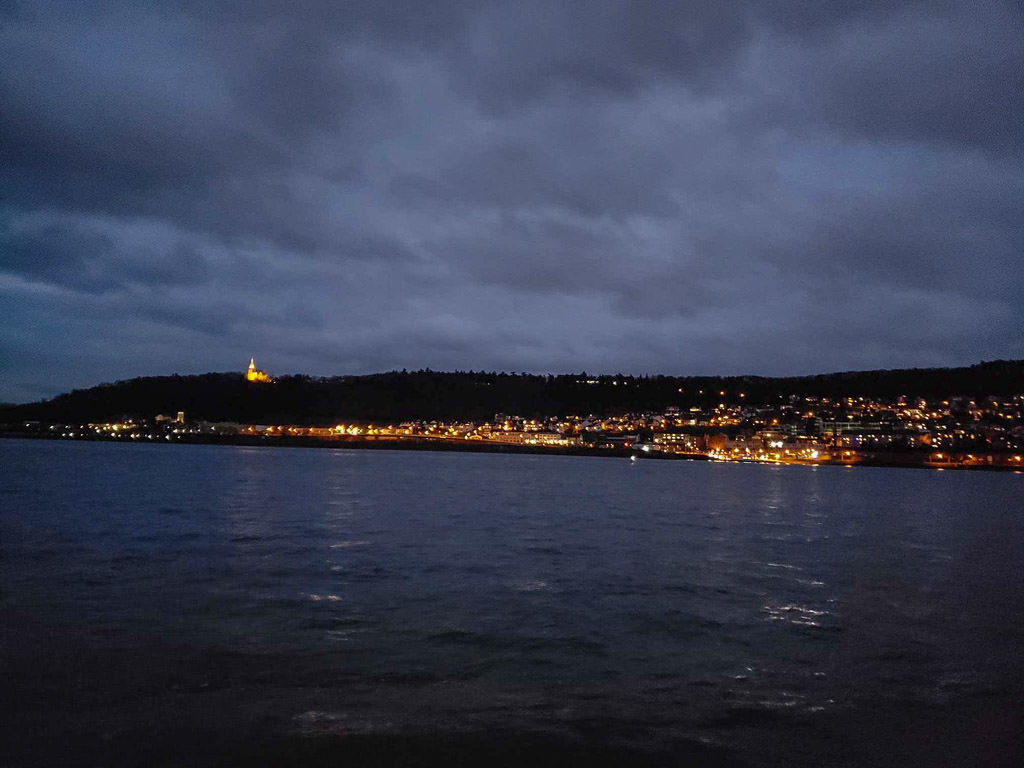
255,374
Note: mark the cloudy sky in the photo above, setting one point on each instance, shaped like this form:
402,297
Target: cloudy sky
773,187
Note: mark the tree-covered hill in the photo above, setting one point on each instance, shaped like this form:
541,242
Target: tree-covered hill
400,396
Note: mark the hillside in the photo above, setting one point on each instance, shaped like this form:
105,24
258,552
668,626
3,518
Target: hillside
399,396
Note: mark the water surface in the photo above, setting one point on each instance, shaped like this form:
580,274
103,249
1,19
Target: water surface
789,615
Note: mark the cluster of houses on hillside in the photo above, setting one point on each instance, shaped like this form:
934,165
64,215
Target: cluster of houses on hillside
959,432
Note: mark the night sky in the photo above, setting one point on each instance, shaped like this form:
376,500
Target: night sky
641,187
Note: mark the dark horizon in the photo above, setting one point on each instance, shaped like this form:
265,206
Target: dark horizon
541,374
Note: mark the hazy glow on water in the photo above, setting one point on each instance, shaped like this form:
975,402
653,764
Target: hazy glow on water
672,594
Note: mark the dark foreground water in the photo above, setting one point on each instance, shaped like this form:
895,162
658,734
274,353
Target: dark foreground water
201,605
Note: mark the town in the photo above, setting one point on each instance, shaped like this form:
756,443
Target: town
954,433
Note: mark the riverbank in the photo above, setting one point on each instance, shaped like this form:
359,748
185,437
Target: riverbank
904,460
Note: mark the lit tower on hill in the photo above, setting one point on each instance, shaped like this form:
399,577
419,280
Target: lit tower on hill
255,374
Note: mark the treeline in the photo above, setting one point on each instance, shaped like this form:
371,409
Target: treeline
402,395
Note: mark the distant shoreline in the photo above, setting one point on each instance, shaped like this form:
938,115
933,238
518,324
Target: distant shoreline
873,459
402,444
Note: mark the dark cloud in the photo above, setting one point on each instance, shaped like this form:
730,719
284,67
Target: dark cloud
778,187
516,53
950,76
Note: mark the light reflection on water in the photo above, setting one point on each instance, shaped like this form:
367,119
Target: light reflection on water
696,587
